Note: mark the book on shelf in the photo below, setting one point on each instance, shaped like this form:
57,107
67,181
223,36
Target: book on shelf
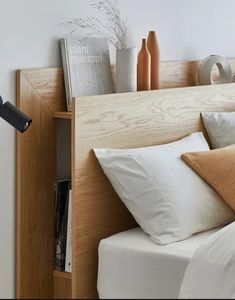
86,66
68,256
62,188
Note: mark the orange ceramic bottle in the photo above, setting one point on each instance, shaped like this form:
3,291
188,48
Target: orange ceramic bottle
153,47
144,68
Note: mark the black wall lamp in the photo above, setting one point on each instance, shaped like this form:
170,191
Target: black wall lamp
14,116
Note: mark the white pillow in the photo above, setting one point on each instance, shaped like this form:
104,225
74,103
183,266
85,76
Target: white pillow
168,200
220,127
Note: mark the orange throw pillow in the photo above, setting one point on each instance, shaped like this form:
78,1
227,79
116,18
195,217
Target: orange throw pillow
216,167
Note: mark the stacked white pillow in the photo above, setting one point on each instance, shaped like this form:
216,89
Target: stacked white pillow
220,127
168,200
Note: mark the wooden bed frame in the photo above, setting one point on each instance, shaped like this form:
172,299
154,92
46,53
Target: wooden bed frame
118,121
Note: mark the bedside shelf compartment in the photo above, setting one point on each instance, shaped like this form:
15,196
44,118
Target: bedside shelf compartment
63,149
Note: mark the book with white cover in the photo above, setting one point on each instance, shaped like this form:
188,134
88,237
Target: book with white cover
86,65
68,257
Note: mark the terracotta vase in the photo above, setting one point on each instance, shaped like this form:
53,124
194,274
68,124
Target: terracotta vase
144,68
153,47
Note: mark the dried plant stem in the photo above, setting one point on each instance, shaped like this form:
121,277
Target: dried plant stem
114,28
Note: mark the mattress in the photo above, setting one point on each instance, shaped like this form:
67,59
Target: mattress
131,266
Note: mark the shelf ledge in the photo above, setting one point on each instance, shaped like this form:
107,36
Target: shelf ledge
62,115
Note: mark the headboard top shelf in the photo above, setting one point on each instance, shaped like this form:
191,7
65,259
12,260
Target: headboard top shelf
62,115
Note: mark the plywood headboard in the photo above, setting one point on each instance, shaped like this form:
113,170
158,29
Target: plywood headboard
118,121
125,121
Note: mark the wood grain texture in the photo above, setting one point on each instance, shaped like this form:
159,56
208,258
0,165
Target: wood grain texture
175,74
40,92
124,121
62,285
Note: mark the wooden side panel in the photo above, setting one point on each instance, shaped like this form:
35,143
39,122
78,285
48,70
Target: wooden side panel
39,94
62,285
124,121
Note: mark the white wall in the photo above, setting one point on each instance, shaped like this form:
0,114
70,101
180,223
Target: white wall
29,33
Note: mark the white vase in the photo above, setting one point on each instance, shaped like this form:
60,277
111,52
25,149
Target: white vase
126,70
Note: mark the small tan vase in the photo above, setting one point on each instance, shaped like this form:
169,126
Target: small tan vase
153,47
144,68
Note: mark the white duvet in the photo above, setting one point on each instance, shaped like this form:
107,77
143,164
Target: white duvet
211,271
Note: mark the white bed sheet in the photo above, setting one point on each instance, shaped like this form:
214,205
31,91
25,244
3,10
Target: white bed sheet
131,266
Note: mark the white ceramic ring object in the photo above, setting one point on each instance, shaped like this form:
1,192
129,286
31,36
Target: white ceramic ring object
205,70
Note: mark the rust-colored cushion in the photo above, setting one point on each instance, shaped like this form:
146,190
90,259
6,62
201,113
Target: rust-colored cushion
216,167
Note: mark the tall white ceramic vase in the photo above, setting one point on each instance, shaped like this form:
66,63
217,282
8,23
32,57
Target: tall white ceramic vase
126,70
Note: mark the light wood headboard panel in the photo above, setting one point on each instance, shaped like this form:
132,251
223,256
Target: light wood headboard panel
124,121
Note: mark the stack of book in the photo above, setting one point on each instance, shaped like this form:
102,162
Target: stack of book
63,225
